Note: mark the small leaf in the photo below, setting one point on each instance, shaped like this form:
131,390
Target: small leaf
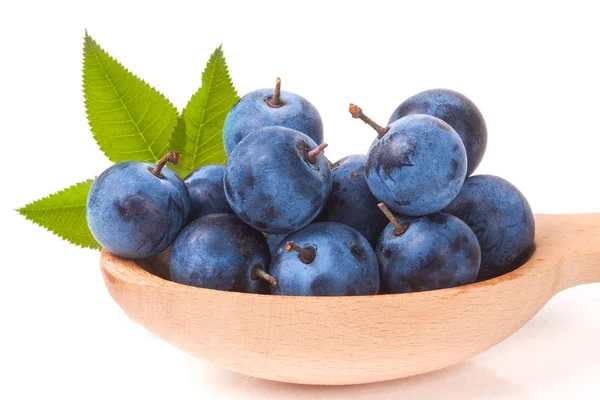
129,119
199,132
63,213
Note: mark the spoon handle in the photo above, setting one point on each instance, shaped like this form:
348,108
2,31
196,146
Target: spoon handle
575,245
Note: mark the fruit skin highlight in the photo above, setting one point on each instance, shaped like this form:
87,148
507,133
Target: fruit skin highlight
134,213
256,110
436,251
343,263
220,252
274,184
207,195
501,218
457,111
351,202
418,166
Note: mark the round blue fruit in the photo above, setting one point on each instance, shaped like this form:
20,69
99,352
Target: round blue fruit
437,251
274,185
253,112
220,252
339,262
351,201
456,110
135,214
501,218
418,166
207,196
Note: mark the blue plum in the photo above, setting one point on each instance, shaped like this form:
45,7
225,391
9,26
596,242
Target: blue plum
325,259
418,164
351,201
265,107
457,111
274,240
207,196
501,218
136,209
277,185
436,251
221,252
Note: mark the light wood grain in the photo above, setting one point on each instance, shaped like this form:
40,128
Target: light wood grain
347,340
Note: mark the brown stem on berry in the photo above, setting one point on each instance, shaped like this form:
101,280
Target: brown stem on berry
314,153
331,165
399,228
357,113
275,101
171,157
306,254
259,273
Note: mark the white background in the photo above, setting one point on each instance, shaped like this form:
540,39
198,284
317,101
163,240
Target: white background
531,67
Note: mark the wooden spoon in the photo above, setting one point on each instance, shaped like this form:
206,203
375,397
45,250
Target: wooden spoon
348,340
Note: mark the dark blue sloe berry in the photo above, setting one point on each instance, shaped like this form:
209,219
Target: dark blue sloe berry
501,218
351,201
136,209
417,165
265,107
325,259
436,251
277,180
207,196
221,252
457,111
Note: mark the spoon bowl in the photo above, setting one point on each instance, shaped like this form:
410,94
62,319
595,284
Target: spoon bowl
357,339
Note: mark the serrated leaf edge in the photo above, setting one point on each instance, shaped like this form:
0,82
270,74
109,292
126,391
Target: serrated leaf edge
216,53
22,212
146,84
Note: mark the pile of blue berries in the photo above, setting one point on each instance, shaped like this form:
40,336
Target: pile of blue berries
280,218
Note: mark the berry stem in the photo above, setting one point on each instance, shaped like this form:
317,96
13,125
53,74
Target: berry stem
306,254
275,101
314,153
399,228
259,273
357,112
171,157
331,165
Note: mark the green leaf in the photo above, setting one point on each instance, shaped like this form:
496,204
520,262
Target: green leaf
199,132
63,213
129,119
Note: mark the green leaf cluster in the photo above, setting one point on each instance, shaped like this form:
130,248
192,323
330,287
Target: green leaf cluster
131,120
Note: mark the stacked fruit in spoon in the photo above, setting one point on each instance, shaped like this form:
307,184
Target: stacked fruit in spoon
280,218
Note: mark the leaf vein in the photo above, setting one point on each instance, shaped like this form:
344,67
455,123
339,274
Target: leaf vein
126,109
